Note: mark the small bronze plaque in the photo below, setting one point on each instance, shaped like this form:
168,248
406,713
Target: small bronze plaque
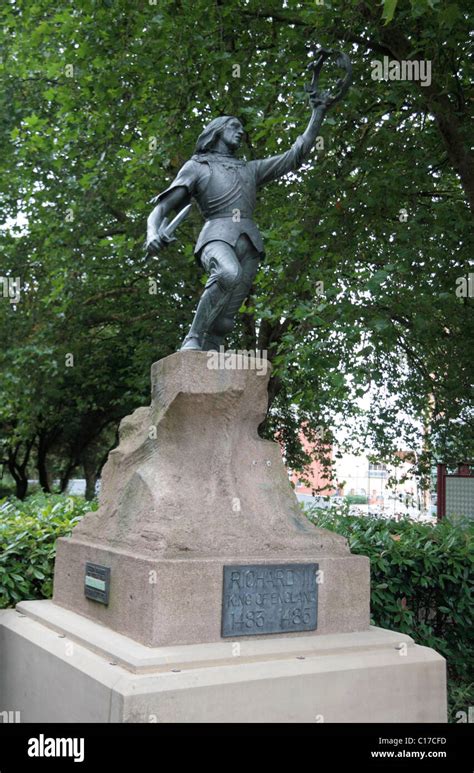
97,583
269,598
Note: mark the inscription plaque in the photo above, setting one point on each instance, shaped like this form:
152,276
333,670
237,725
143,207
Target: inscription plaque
97,583
269,598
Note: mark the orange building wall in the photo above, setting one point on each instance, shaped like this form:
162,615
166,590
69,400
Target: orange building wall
315,475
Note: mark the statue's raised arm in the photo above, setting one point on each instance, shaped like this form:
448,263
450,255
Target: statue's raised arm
269,169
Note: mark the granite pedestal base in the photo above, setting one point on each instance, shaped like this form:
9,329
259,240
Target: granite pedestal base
179,601
57,666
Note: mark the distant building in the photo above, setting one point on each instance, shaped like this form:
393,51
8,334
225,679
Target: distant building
386,486
316,476
380,483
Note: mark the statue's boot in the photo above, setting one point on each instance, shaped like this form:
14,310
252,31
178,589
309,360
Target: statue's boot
211,304
212,342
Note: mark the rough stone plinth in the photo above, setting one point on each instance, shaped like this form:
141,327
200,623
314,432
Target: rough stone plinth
190,488
191,474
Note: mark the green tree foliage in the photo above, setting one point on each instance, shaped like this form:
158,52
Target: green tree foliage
101,103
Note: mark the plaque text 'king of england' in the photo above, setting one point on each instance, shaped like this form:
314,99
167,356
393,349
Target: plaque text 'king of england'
269,598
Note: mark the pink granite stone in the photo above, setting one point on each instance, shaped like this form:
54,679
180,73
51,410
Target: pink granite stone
192,487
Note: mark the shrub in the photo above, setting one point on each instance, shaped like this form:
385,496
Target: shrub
356,499
28,533
421,585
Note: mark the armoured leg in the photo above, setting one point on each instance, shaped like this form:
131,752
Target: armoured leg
224,322
225,272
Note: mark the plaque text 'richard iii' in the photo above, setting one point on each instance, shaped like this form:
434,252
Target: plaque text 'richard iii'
269,598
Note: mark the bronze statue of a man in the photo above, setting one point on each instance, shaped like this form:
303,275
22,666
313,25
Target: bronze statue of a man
229,246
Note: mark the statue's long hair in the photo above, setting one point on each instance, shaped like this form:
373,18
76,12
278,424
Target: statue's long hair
208,136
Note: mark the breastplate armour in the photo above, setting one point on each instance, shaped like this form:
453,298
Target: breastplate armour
230,187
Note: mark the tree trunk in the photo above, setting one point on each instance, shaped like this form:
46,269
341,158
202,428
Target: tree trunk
90,474
66,476
41,466
18,470
21,484
448,119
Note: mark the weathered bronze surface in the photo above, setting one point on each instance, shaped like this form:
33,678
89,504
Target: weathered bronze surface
269,598
225,188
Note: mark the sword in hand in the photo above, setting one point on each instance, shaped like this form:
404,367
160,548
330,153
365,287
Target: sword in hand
164,236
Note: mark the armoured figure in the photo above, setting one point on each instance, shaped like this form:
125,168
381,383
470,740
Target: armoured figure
229,246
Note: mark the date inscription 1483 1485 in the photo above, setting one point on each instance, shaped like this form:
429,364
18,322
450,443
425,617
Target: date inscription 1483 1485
269,598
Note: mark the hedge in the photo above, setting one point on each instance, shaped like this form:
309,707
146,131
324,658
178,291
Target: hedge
28,533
